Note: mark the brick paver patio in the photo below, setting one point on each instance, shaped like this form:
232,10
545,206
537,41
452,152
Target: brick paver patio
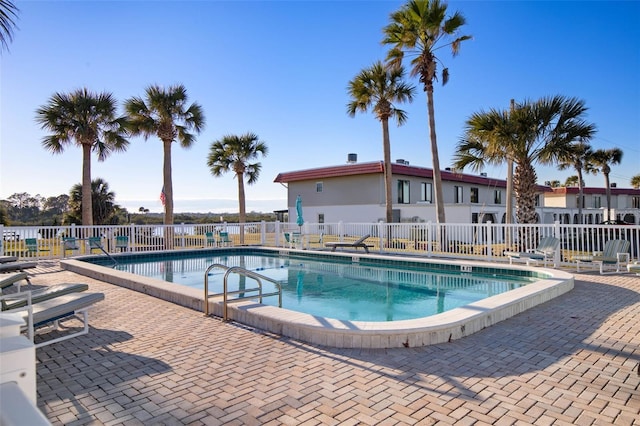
574,360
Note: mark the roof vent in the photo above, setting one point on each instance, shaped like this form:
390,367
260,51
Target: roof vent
483,174
401,161
448,169
614,185
352,158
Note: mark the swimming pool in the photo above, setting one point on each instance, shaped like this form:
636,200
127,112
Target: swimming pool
336,288
391,328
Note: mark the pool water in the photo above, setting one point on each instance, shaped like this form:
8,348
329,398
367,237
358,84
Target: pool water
336,288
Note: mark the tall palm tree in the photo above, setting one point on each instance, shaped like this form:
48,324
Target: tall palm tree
88,119
534,132
578,158
164,113
635,181
378,88
418,29
603,159
572,180
8,13
234,154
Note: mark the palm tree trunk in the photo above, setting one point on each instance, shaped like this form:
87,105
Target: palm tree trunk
580,196
168,195
437,179
525,187
386,146
87,204
241,199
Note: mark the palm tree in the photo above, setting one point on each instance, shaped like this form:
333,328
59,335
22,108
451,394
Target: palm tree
234,154
572,180
8,12
534,132
378,87
164,113
88,119
102,199
418,29
578,158
635,181
602,159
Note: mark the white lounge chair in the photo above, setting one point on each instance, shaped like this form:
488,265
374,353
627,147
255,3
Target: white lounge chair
53,310
614,253
355,244
634,267
7,280
16,266
546,251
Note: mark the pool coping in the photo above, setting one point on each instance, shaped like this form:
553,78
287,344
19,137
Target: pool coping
439,328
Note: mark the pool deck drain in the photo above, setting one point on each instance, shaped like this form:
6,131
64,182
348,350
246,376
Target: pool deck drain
572,360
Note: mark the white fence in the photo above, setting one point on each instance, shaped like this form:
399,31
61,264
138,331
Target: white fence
485,241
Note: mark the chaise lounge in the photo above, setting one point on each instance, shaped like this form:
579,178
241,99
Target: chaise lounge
355,244
545,252
52,310
615,253
16,266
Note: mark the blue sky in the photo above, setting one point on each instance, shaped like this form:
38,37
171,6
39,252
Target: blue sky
281,68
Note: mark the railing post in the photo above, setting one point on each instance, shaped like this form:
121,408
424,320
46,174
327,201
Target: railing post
381,235
557,234
2,240
429,238
340,232
263,233
489,240
278,231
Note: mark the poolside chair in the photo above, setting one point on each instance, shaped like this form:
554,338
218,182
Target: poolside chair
634,267
293,239
614,253
33,248
51,311
42,294
6,259
210,239
16,266
546,251
69,243
7,280
95,243
355,244
224,240
122,242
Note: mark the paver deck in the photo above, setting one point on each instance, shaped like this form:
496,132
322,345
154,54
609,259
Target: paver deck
573,360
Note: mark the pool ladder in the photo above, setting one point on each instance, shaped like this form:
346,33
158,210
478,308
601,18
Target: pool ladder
225,293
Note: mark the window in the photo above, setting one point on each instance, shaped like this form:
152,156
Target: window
635,202
474,195
578,203
319,187
597,202
403,192
320,217
458,194
537,200
426,192
497,196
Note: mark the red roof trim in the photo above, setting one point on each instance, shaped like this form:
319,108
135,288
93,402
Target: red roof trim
397,169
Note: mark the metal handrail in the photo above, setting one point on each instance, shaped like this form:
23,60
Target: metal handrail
225,293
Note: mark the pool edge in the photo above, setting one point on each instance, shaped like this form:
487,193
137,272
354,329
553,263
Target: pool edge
440,328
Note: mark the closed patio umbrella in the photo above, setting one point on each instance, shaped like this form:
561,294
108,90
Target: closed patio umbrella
299,219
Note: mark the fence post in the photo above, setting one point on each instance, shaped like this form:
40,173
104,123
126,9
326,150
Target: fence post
557,234
489,240
263,232
340,232
429,238
381,236
278,232
2,240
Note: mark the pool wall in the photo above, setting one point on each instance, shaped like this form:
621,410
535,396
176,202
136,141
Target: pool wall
440,328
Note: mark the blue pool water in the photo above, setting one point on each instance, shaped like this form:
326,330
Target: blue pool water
323,285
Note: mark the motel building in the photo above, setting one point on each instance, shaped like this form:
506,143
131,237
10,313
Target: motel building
354,192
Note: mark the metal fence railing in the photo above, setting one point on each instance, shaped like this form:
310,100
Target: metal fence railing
485,241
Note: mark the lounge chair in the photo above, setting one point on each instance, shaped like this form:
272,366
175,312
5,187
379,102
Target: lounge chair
634,267
53,310
293,239
40,295
33,248
6,259
122,242
69,243
95,243
7,280
210,239
224,240
546,251
614,253
355,244
16,266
